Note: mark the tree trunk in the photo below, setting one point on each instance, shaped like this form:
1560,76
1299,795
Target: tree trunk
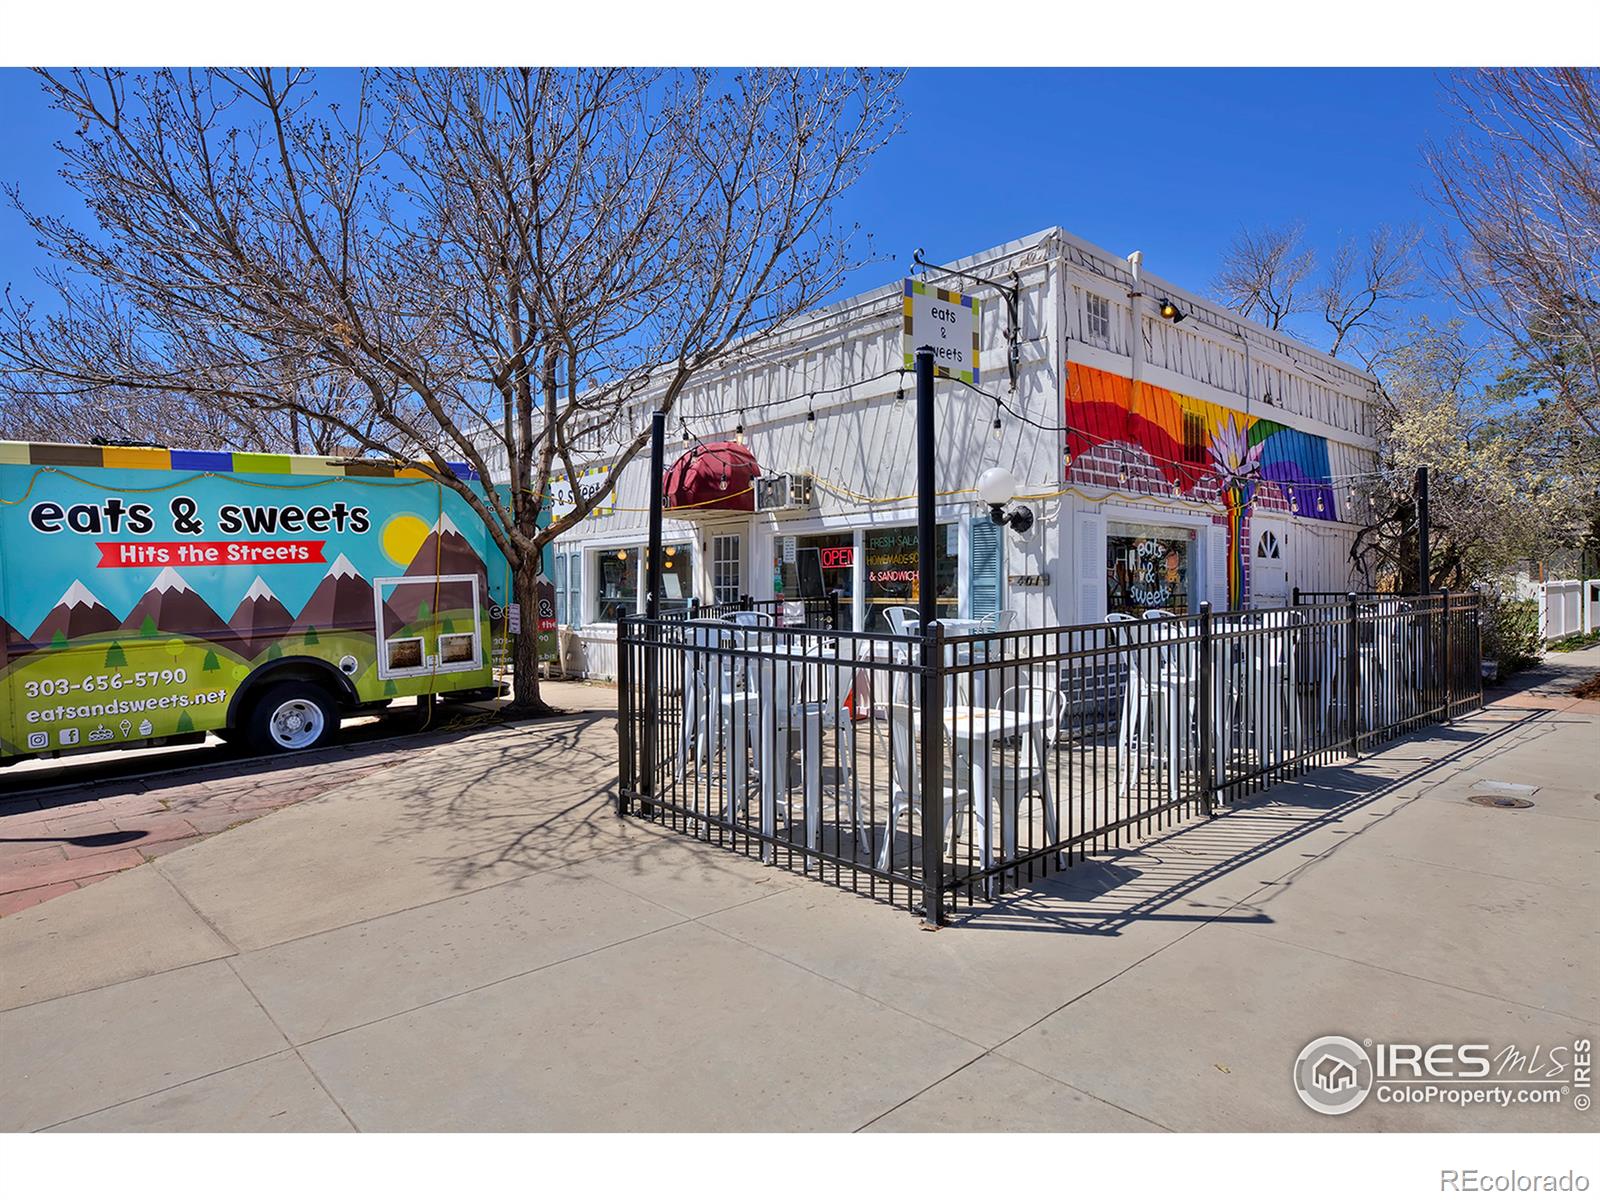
526,701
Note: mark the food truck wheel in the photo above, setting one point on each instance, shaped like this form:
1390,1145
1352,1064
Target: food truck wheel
291,716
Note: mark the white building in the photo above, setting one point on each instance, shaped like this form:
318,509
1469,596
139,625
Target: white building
1117,420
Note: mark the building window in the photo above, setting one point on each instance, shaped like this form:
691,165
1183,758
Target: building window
1194,438
1148,566
1099,309
811,565
892,570
727,577
568,578
1267,545
618,574
622,582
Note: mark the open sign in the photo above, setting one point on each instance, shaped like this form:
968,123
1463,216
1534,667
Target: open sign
837,558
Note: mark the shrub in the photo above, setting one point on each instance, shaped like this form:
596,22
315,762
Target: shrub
1511,633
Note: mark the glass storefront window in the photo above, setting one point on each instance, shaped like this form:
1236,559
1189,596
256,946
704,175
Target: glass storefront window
1148,566
891,567
620,586
677,580
822,563
619,583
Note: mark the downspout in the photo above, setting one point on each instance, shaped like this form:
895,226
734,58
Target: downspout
1136,311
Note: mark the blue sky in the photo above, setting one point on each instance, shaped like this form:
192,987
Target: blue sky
1170,161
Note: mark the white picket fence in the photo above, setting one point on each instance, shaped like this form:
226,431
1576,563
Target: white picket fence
1568,606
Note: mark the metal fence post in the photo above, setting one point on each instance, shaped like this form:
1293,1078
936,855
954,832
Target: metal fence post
1208,765
1353,674
625,715
1444,653
931,775
833,610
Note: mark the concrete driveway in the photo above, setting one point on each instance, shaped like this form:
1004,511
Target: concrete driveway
471,940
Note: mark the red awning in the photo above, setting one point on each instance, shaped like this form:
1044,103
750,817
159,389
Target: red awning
712,478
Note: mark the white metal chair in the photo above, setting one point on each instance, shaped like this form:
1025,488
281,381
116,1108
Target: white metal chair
1158,697
1273,664
1005,620
708,676
800,705
1040,708
905,789
1156,614
753,618
903,620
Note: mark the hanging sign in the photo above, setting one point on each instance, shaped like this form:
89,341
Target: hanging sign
590,482
949,323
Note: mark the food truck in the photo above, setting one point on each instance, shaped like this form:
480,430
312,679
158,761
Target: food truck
150,595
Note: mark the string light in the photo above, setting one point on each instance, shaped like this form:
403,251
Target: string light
738,434
811,418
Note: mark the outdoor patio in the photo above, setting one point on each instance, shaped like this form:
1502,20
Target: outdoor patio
1013,753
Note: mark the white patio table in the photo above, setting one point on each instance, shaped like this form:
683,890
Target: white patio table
798,691
975,732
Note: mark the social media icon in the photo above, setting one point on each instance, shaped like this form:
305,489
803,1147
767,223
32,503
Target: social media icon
38,741
69,737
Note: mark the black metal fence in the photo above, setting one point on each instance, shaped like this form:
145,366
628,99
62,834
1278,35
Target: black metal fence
932,770
812,612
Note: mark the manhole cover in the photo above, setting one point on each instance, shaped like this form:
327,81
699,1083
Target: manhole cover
1500,801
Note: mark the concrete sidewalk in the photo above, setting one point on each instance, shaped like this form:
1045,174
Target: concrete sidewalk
471,940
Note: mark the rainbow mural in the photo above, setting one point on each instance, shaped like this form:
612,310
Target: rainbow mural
1194,442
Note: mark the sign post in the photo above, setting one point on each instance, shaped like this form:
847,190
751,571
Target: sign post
932,655
941,331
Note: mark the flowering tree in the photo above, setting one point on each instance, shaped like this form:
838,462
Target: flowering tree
1508,481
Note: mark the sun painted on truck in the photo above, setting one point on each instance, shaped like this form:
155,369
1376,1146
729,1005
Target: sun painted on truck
1195,444
144,594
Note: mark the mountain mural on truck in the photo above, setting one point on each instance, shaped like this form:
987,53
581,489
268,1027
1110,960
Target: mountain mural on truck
10,637
77,614
260,619
343,600
170,605
445,551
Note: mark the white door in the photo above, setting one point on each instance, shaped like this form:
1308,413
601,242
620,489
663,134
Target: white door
1269,563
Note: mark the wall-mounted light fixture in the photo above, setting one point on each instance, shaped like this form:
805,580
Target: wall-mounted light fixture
1170,311
996,488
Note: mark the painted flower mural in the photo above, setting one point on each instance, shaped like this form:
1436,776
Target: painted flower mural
1193,442
1238,466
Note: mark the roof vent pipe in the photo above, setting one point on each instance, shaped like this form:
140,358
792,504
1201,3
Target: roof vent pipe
1136,265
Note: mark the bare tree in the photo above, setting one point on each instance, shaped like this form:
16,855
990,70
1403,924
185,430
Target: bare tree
1265,274
1365,280
459,265
1521,184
